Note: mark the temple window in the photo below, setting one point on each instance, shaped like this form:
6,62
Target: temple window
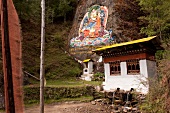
114,68
133,67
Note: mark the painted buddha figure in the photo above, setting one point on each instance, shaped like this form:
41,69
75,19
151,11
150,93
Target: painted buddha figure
92,28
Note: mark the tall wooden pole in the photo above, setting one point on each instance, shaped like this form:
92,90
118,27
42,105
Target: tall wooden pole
8,79
42,57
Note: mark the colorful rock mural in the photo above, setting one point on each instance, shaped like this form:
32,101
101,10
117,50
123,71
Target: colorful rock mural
92,29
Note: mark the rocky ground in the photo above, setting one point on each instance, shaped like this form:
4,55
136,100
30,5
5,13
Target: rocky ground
105,105
97,106
79,107
70,107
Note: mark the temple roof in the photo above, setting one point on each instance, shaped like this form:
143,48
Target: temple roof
125,43
86,60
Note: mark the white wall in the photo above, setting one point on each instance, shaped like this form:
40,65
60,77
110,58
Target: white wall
90,66
106,71
143,68
123,68
124,81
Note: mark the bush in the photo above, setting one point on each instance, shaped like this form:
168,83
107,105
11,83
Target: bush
155,100
98,76
31,94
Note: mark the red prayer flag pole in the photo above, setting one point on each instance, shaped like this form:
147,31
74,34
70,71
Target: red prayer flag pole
12,57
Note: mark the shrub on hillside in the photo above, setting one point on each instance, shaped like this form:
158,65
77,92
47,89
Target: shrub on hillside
98,76
31,94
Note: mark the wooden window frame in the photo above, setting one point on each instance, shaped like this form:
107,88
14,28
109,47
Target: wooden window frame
115,69
133,67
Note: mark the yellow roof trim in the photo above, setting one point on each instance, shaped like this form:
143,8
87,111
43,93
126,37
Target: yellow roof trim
86,60
125,43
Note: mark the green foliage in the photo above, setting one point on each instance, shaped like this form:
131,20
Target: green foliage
159,94
64,71
57,62
157,16
159,54
31,94
164,72
57,40
50,15
79,99
155,101
64,7
28,10
59,65
71,82
158,23
98,76
162,55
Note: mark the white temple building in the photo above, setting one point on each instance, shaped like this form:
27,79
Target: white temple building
129,65
88,70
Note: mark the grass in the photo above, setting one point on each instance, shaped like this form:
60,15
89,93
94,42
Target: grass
52,101
65,82
71,83
2,111
81,99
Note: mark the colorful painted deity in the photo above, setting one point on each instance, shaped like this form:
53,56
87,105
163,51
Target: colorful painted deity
92,28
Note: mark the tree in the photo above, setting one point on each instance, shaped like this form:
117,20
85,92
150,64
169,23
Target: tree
157,16
65,7
28,10
157,19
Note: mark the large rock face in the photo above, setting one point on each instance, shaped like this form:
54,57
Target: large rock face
122,21
83,8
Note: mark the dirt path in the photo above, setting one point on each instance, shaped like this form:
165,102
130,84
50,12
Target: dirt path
70,108
78,107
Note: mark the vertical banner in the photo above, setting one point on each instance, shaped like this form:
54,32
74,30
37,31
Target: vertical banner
15,53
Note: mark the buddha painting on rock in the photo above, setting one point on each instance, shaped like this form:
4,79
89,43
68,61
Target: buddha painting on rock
92,28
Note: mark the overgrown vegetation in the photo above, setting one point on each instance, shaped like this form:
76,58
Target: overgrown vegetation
58,63
98,76
31,94
157,19
30,10
71,82
63,89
